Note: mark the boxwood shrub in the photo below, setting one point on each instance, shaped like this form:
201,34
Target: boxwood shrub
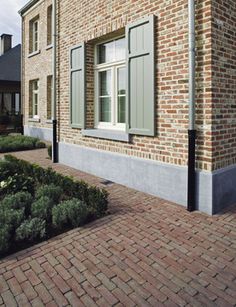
11,143
38,203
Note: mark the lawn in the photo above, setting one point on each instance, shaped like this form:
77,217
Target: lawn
38,203
11,143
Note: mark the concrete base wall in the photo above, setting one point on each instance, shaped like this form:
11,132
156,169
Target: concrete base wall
215,190
41,133
224,188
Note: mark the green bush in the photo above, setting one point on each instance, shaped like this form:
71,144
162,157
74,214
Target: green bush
11,218
20,200
19,142
16,183
42,208
97,202
40,144
73,212
31,230
35,201
95,198
50,151
77,212
4,238
59,215
51,191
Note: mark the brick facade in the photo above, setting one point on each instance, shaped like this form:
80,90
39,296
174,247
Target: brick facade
94,21
224,83
36,66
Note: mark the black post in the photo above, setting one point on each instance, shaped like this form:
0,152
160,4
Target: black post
191,206
54,142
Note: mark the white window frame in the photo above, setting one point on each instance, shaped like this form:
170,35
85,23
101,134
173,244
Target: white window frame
34,33
35,93
113,66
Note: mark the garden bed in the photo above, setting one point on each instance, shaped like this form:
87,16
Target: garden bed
38,203
11,143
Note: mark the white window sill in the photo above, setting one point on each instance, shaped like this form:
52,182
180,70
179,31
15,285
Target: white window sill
49,121
33,53
107,134
34,120
49,46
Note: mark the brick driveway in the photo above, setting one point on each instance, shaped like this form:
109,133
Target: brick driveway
146,252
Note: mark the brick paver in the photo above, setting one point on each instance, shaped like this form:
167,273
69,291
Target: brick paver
145,252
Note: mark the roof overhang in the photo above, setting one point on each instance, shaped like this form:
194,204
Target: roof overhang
27,6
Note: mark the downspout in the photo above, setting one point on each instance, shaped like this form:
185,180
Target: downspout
22,95
191,197
54,109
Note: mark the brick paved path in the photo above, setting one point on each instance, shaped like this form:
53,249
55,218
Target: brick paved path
147,252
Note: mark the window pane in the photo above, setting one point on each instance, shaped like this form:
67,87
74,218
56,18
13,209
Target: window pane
35,36
105,109
121,95
121,109
35,85
105,83
17,103
7,103
120,49
35,104
121,81
106,53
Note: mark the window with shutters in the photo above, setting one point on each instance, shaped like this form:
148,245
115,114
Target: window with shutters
141,77
77,86
110,84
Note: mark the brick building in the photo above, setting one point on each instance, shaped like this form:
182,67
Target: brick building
122,74
37,68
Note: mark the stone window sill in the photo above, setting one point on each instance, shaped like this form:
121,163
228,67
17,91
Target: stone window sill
33,53
48,121
49,46
106,134
34,120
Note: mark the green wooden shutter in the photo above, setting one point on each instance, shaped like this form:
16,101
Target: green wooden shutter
140,77
77,86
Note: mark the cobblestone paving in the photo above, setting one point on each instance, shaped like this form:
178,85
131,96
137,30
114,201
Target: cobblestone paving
146,252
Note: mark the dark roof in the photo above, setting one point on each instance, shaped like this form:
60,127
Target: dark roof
27,6
10,65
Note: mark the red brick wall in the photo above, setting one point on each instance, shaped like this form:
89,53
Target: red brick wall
224,82
90,20
38,66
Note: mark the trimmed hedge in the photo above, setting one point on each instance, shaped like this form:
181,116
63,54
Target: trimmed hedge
42,203
11,143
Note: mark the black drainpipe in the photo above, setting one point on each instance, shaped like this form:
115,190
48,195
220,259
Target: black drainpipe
191,197
191,205
54,118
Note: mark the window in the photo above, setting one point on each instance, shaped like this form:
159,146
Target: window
49,25
10,103
124,80
34,35
49,97
111,84
34,98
